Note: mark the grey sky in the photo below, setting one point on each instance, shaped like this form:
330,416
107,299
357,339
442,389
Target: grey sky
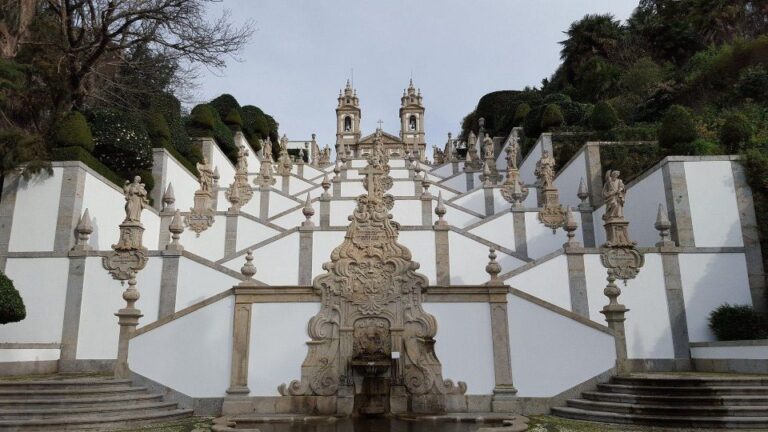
303,51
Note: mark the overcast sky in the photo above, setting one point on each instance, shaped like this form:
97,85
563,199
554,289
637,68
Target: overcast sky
304,50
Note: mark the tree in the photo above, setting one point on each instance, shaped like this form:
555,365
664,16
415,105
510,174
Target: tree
73,131
677,129
604,116
593,35
551,118
521,111
17,16
11,304
736,133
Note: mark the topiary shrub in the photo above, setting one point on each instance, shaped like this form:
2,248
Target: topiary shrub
737,322
73,131
224,104
158,130
521,111
677,129
604,116
203,117
122,141
11,304
234,119
551,118
736,133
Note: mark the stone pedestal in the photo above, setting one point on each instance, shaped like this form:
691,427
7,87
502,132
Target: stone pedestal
615,315
128,319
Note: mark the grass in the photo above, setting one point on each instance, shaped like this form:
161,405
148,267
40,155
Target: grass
194,424
557,424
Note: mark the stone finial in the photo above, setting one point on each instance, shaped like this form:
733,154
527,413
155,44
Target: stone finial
487,175
337,171
84,229
425,187
301,155
417,169
583,193
176,228
493,268
326,184
481,122
440,211
518,194
308,212
570,227
248,269
663,225
169,199
216,176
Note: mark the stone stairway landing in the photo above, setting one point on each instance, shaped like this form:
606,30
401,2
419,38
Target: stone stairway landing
80,402
678,400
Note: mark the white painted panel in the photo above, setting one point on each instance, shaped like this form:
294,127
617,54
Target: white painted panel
148,284
340,211
184,184
712,197
541,240
529,164
749,352
277,263
352,189
648,329
35,212
253,206
198,282
151,222
102,297
459,218
568,180
42,283
403,188
444,170
407,212
359,163
106,207
474,201
210,243
196,351
422,247
547,281
277,351
499,230
457,182
709,280
250,232
456,338
296,185
226,169
499,203
323,243
552,353
279,203
311,172
26,355
468,259
399,173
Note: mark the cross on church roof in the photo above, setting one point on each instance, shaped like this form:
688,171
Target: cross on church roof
380,123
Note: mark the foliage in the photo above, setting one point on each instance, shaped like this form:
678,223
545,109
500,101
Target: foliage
677,128
233,119
19,147
80,154
73,130
552,117
224,104
122,142
205,122
158,130
499,110
630,159
255,125
736,133
737,322
11,304
591,36
753,83
604,117
521,111
203,117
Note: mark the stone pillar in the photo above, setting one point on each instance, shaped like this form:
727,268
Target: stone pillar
72,307
285,185
300,168
577,280
504,392
264,203
489,204
587,227
455,167
470,177
750,237
238,383
594,174
615,315
325,212
336,187
127,319
70,207
676,191
159,169
426,210
521,239
442,255
230,234
305,254
10,185
169,279
676,307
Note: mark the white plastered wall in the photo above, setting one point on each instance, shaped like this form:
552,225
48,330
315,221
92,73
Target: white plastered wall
196,351
279,203
197,282
210,243
709,280
421,244
499,230
457,337
712,199
184,184
226,169
552,353
458,182
277,351
250,232
323,243
541,240
568,180
468,259
474,201
648,328
340,210
35,212
547,281
407,212
277,263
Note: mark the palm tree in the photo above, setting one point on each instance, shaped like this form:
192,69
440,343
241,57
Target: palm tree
593,35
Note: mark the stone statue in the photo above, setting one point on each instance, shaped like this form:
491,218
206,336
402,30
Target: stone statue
206,176
135,199
242,159
614,193
488,146
512,149
268,149
545,170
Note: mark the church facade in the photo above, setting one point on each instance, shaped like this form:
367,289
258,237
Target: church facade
351,143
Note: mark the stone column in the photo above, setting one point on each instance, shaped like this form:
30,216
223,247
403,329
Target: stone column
455,167
264,203
159,169
305,254
676,191
325,212
615,315
489,204
285,185
594,173
169,280
8,203
442,252
426,210
504,392
70,207
470,177
241,336
230,234
72,307
585,211
128,319
521,238
577,281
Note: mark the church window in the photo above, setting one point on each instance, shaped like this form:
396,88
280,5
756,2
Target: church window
347,124
412,123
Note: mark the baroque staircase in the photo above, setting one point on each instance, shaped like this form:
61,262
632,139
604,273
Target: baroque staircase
678,400
85,402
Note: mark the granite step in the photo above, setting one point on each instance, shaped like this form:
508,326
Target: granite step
65,384
683,390
670,421
678,410
96,422
122,400
68,393
675,400
686,381
70,411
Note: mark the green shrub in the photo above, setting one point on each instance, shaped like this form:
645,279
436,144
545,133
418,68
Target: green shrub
224,104
233,119
574,113
122,141
753,83
73,131
521,111
677,128
80,154
11,304
604,117
203,117
204,114
551,118
556,98
737,322
158,130
736,133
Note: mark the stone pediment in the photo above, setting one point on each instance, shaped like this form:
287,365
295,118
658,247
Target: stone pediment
386,139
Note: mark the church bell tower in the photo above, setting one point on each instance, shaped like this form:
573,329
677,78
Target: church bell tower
412,120
348,118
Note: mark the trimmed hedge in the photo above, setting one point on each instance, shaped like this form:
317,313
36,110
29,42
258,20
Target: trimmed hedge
677,129
233,119
11,304
73,131
630,160
737,322
521,111
604,117
552,117
203,117
158,130
205,122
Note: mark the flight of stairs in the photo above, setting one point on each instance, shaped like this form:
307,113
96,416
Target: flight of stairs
684,400
86,402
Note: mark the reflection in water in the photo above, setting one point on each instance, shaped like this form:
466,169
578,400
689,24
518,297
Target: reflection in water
372,425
